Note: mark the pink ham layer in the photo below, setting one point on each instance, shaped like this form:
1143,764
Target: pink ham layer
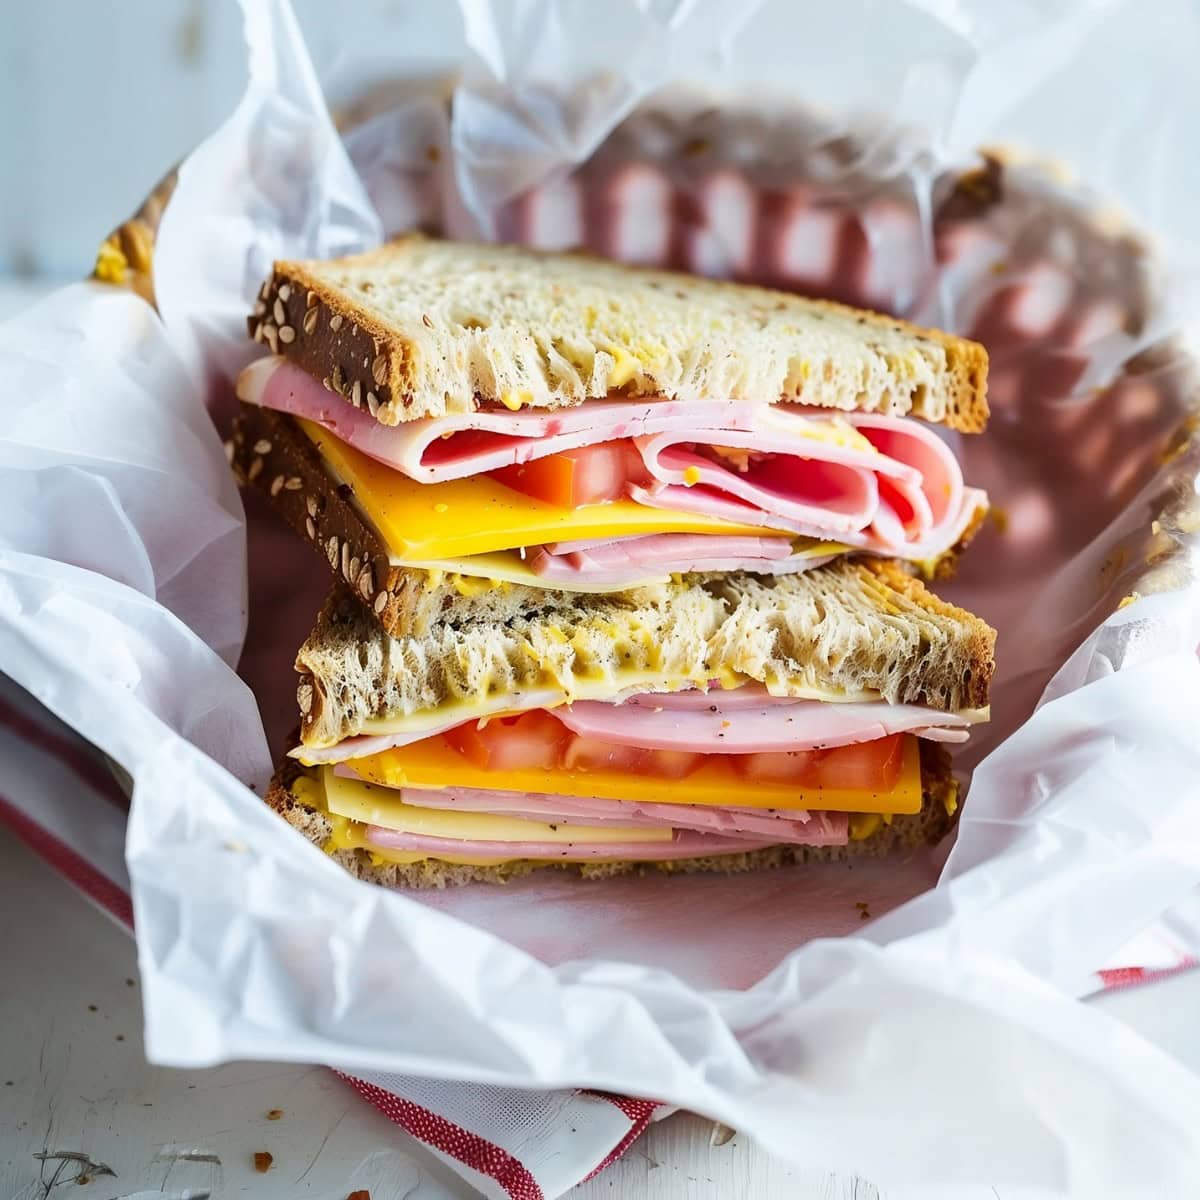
693,721
755,722
684,845
624,559
792,825
905,498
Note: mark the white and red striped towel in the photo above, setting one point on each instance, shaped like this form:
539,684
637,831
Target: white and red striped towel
62,800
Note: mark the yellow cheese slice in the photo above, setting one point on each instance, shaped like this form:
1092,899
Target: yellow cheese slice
348,835
419,522
381,806
434,764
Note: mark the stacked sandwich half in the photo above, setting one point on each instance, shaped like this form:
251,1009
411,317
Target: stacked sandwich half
627,565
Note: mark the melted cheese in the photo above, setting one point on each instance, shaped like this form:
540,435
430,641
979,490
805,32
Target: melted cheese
434,764
421,522
382,806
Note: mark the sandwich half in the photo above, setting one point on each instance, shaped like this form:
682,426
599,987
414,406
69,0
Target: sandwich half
716,722
448,422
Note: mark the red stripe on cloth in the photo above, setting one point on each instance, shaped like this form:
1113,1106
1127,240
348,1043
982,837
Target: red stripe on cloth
1124,977
73,755
639,1113
68,863
461,1144
1114,977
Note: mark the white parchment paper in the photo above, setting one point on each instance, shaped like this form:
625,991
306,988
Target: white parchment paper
941,1045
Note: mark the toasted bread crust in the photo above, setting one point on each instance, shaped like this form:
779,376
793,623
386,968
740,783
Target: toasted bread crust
322,329
938,815
981,655
272,454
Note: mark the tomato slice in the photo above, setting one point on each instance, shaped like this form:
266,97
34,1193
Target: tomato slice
537,739
778,766
468,741
672,764
867,766
530,739
588,475
591,754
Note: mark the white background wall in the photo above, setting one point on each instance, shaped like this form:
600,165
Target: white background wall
98,98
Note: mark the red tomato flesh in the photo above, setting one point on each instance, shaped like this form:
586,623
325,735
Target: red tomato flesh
591,754
866,766
589,475
531,739
673,764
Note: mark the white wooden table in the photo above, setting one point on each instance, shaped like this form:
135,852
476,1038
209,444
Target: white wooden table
73,1077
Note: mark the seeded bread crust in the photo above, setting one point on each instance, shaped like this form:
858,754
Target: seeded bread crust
905,835
269,451
851,626
421,327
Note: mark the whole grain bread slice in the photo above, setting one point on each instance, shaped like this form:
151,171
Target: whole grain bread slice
849,627
904,834
422,327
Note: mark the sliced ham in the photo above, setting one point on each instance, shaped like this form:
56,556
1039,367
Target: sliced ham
887,485
685,844
649,548
904,495
435,449
774,724
793,826
623,560
678,716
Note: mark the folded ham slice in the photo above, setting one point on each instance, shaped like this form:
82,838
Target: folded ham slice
886,485
626,559
896,490
685,844
457,446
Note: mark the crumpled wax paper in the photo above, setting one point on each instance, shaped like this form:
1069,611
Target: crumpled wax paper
940,1045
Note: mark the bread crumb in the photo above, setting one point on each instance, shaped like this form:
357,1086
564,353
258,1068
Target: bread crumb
274,1114
263,1161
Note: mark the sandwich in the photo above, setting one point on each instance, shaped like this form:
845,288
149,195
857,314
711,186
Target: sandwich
481,417
724,723
626,564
